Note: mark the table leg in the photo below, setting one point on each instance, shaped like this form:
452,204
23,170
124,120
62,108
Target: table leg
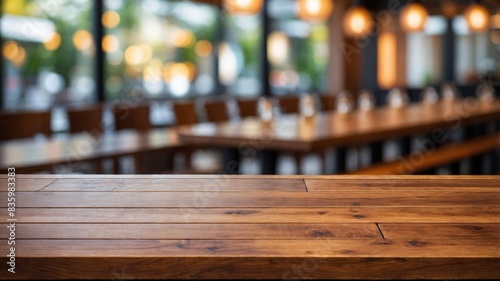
230,160
340,160
268,160
476,162
404,146
376,150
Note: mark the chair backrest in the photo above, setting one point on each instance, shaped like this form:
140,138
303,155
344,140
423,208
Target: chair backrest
216,110
289,104
132,116
25,124
327,102
247,107
85,119
185,113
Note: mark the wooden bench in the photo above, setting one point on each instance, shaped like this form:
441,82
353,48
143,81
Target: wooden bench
254,227
422,160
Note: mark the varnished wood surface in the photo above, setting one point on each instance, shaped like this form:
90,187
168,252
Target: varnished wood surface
328,129
255,227
34,155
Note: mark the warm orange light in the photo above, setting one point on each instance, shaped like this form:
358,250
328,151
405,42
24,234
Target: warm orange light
147,52
316,10
82,39
110,19
110,43
10,50
242,7
133,55
413,17
53,42
358,22
20,57
152,72
386,56
203,48
182,38
477,17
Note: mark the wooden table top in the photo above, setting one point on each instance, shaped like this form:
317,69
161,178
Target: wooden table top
254,227
29,155
330,129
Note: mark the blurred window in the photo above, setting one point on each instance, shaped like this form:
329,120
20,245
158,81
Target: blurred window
48,52
158,49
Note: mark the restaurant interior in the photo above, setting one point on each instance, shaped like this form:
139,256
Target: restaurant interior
250,140
250,87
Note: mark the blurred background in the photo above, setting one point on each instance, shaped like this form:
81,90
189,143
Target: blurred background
162,51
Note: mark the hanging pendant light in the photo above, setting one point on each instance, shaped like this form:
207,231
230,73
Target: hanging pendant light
477,17
358,21
413,17
315,10
242,7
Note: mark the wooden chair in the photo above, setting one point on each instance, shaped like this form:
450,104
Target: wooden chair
185,113
132,116
216,110
136,117
289,104
24,124
247,107
85,119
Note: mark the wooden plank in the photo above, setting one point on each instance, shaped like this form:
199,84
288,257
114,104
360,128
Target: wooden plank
404,183
247,268
422,160
375,248
193,185
252,199
436,214
194,231
365,178
27,184
441,230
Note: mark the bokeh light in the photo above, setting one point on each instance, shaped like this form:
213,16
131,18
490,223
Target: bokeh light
53,42
203,48
110,43
110,19
82,40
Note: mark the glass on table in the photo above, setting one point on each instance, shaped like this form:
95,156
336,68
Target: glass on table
267,109
449,92
397,98
485,92
344,102
308,105
429,95
366,100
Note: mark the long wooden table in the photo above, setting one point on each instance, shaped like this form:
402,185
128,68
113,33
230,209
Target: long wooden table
35,155
254,227
332,129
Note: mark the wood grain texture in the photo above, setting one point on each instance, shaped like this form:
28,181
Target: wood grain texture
248,268
193,185
441,230
254,227
214,231
255,199
475,214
